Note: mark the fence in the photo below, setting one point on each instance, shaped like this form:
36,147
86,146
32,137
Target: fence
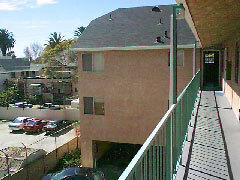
27,163
11,113
159,156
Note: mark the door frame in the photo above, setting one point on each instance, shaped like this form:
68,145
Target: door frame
219,67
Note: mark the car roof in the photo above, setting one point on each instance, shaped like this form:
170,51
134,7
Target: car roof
21,118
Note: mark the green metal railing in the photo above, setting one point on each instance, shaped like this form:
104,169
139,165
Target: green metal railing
159,156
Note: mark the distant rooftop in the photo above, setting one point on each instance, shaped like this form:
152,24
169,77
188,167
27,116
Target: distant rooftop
13,64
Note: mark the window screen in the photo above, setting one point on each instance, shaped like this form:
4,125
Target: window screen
88,105
180,58
98,62
87,62
99,106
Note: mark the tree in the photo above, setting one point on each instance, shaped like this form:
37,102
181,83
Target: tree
79,31
34,51
6,41
60,54
28,54
55,39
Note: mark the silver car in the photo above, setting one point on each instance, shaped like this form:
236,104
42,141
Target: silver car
18,123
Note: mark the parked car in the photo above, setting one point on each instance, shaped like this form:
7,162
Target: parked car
34,125
22,105
50,106
18,123
52,126
76,173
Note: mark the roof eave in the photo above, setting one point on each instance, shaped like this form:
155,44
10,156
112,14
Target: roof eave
127,48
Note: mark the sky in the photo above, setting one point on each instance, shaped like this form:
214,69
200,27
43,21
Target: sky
32,21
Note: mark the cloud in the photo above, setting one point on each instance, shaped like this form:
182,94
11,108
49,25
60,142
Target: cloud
11,5
7,6
43,2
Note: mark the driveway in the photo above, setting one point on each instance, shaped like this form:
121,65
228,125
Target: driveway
37,141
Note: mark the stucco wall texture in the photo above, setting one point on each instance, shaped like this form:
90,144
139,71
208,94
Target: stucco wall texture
135,88
232,89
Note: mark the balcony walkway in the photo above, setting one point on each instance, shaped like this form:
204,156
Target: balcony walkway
205,152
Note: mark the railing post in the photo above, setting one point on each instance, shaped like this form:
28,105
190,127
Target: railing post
173,59
194,58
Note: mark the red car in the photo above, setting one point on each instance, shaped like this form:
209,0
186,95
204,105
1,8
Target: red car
34,125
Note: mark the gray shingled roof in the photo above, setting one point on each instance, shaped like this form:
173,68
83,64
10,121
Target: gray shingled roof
15,64
36,67
133,27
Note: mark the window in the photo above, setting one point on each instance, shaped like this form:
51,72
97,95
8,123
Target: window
13,75
236,63
93,62
93,105
76,90
60,91
22,74
180,58
33,73
27,73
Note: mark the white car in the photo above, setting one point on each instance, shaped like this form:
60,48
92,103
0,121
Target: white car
18,123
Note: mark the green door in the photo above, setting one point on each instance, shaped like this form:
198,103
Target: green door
211,71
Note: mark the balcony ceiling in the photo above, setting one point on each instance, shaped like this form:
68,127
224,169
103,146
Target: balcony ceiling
216,21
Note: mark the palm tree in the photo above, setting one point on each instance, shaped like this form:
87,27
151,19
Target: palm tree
79,31
6,41
55,39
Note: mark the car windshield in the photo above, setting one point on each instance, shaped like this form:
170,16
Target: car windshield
31,122
17,121
51,123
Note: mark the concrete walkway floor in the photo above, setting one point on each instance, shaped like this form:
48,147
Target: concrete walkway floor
212,149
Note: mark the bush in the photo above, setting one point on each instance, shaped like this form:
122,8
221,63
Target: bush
72,159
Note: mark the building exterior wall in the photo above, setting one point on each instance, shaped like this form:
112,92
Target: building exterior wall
135,88
232,89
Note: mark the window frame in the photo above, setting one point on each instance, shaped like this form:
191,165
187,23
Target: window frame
93,106
82,62
92,54
13,75
177,58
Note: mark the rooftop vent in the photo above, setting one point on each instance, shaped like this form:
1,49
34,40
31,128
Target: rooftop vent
156,9
159,40
166,35
110,17
160,22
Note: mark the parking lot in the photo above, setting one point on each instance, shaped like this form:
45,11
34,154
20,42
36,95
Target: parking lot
35,140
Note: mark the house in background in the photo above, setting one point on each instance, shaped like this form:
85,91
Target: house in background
123,67
59,87
12,68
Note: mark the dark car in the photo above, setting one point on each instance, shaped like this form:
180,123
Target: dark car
22,105
52,126
50,106
34,125
76,173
